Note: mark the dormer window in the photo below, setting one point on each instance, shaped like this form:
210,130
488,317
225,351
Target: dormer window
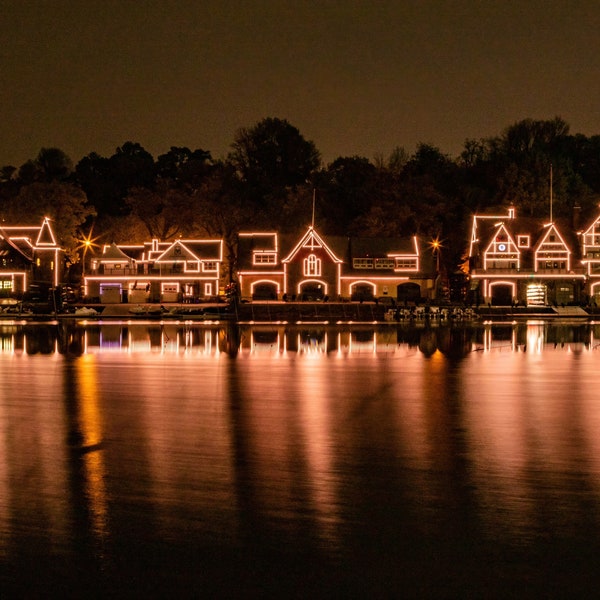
362,263
264,258
406,263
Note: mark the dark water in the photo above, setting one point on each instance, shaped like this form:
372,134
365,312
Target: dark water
309,461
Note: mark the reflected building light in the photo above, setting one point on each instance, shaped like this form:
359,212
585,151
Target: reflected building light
5,508
318,428
208,343
110,339
7,344
487,339
90,424
265,342
310,344
169,344
535,337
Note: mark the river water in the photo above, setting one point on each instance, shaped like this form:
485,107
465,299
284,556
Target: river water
173,459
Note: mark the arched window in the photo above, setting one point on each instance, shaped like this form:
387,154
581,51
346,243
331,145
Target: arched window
312,265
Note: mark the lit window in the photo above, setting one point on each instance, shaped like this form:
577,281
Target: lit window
384,263
406,263
362,263
312,265
264,258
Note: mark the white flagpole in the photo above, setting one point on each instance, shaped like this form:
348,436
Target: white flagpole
550,192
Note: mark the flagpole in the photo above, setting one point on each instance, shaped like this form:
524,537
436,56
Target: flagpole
550,192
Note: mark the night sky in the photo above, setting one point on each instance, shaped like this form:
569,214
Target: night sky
356,78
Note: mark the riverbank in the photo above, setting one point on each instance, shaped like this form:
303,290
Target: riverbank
332,312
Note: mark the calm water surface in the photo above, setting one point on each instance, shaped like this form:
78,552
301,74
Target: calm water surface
145,460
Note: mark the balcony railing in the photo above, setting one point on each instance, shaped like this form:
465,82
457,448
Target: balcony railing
505,271
163,270
102,270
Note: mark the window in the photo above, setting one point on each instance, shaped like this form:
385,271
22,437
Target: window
362,263
312,265
523,241
384,263
264,258
192,266
406,263
208,289
209,265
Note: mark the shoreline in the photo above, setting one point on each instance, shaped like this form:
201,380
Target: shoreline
329,312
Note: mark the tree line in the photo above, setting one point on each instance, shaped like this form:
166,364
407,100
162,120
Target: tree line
272,173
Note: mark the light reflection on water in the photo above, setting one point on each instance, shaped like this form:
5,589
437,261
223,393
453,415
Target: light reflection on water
436,461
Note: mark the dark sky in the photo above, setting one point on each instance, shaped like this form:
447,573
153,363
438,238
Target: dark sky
356,78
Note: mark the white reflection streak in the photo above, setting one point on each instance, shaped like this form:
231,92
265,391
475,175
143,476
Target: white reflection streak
8,344
535,337
317,432
498,420
487,339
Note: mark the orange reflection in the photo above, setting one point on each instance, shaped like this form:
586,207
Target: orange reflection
90,425
317,429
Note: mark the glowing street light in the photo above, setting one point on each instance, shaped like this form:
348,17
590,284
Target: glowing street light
85,244
436,247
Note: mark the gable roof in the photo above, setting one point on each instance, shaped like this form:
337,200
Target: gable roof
7,245
313,240
46,235
113,253
177,251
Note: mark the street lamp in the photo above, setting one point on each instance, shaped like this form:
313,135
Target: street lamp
85,244
436,248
